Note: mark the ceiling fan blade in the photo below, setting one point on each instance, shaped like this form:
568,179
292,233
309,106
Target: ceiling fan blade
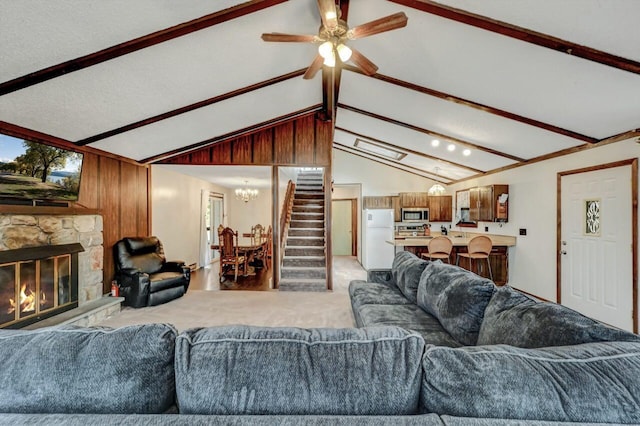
293,38
388,23
328,13
314,68
361,61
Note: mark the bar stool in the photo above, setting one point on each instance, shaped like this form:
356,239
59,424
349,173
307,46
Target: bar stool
439,248
478,248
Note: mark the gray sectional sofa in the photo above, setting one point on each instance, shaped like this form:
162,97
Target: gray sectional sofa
427,372
493,352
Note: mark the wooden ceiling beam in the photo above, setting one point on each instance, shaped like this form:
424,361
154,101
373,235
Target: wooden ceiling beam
231,135
409,151
135,45
430,132
478,106
523,34
191,107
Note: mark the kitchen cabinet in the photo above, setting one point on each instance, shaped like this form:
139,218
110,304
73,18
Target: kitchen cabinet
395,203
489,203
383,202
414,199
440,208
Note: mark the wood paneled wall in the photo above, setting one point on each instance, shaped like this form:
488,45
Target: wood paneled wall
115,187
303,141
119,190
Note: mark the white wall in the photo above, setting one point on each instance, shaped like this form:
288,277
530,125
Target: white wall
242,216
532,205
376,178
176,212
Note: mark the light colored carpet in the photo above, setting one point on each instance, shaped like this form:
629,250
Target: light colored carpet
199,308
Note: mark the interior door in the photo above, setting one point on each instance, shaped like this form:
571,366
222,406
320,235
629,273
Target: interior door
342,228
596,259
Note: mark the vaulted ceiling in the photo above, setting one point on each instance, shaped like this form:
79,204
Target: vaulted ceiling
511,81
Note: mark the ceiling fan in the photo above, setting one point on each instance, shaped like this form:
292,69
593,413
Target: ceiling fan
333,34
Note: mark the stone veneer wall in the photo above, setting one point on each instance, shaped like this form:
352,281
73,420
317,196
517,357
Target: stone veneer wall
20,231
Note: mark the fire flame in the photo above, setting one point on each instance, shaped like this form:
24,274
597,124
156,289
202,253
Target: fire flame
27,301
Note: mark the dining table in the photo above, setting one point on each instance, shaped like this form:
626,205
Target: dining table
248,246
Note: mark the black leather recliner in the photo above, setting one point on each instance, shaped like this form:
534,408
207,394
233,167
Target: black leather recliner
144,276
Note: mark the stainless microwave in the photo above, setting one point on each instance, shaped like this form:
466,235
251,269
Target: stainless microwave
414,214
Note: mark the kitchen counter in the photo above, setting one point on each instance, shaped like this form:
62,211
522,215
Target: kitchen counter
422,241
499,257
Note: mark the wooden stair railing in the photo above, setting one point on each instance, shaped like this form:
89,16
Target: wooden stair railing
285,216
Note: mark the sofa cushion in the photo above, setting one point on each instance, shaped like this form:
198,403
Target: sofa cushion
141,245
513,318
594,382
363,293
259,370
406,271
88,370
410,317
456,297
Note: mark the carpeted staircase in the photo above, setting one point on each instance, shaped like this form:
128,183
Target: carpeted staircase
304,265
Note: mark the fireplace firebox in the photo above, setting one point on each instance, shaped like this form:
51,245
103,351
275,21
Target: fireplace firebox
37,283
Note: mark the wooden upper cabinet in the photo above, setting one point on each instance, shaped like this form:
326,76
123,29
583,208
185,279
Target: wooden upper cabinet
440,208
395,202
414,199
488,203
383,202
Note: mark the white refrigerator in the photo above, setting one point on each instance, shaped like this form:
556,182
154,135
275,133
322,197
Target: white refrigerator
377,229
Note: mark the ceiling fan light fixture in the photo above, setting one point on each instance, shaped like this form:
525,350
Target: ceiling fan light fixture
330,59
325,49
344,52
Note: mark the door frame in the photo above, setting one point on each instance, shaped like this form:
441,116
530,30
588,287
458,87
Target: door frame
354,223
633,162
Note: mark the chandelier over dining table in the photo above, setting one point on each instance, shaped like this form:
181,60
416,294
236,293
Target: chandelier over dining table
246,194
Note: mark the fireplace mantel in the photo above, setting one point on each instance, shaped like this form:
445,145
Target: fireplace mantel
40,252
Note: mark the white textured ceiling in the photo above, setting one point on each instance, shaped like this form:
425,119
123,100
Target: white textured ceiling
466,64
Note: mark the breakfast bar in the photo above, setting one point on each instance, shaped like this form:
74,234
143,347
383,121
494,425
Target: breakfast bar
499,257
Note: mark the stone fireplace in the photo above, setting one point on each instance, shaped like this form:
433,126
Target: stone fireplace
39,251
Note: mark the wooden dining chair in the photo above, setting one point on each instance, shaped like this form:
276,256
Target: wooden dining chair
258,235
230,258
439,248
478,248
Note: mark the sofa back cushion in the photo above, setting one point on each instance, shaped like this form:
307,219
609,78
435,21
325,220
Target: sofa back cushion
406,271
457,298
88,370
594,382
236,370
513,318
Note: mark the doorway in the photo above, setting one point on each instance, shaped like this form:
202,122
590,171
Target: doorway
597,242
343,226
213,217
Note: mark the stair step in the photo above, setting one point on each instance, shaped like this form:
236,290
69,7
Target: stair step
308,196
301,284
303,272
305,241
308,201
306,224
305,261
306,232
304,251
307,216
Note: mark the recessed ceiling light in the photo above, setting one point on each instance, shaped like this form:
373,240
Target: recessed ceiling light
466,152
379,149
451,147
435,143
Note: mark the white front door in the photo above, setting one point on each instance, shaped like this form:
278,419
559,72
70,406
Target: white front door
596,245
